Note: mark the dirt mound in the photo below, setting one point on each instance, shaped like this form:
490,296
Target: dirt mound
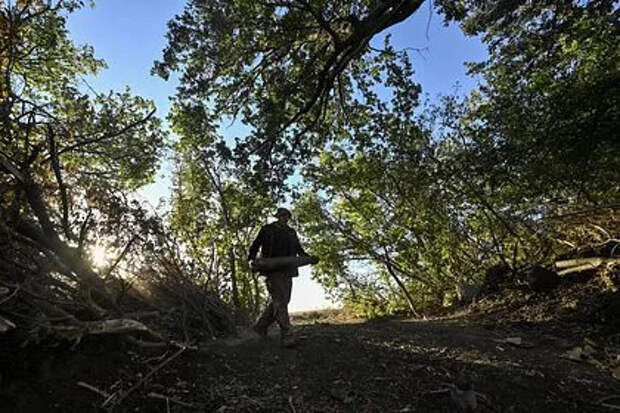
581,299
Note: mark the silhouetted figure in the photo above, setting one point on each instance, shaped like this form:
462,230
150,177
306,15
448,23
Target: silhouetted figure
277,240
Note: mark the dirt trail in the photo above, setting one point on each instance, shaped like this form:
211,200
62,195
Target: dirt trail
405,366
380,366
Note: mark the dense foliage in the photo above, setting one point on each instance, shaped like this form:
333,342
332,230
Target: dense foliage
402,204
288,70
483,180
69,159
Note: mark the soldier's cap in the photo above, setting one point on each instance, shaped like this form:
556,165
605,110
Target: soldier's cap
282,211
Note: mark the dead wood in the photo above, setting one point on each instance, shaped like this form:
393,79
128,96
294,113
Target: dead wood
93,389
170,399
583,264
118,399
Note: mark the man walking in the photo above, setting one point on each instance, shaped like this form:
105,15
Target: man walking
277,240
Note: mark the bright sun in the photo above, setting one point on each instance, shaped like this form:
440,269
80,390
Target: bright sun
100,256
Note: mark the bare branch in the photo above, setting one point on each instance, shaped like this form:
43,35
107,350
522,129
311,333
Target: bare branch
83,232
379,19
104,137
120,256
61,186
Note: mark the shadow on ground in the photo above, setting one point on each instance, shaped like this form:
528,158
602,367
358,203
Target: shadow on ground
383,366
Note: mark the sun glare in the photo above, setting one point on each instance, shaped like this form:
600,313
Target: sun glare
100,256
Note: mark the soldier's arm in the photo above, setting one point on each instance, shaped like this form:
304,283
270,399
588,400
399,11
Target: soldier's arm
258,242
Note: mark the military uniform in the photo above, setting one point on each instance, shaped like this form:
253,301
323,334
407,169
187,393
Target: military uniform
277,240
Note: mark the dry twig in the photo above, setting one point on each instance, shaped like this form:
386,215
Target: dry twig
602,402
171,399
93,389
123,395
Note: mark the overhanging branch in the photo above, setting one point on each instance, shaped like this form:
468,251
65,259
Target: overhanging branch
380,18
105,137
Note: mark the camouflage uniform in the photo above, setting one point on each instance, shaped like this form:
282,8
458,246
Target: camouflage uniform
277,240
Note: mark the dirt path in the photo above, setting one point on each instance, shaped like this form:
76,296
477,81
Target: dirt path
382,366
401,366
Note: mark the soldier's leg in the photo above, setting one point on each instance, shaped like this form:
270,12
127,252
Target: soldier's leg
269,314
265,320
283,284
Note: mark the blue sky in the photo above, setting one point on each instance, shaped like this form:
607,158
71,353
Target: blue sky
130,35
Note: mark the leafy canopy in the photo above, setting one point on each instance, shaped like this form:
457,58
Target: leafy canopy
291,71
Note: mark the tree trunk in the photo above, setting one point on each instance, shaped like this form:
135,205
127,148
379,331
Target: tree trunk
233,283
49,238
402,287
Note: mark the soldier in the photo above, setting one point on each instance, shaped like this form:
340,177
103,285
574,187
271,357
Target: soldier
277,240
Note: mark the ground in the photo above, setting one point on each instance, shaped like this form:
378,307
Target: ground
390,365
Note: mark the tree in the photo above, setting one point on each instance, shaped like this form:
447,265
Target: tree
534,141
422,201
215,213
548,111
539,135
67,163
286,69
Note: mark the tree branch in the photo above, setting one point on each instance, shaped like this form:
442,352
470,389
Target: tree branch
61,186
400,284
104,137
344,52
120,256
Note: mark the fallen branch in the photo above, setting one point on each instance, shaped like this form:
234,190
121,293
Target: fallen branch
603,402
171,399
114,326
583,264
595,261
145,344
143,314
158,344
122,396
5,299
6,324
93,389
